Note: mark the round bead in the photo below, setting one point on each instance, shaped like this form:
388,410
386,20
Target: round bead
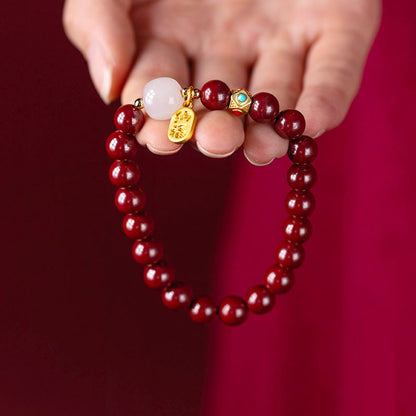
202,310
121,146
233,310
278,280
158,276
290,124
162,97
129,119
130,201
300,203
124,173
259,299
147,251
297,230
177,296
301,177
138,226
289,255
264,107
302,150
215,95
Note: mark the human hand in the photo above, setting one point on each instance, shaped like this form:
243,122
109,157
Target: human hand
309,54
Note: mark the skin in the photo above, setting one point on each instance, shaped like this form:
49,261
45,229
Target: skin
309,53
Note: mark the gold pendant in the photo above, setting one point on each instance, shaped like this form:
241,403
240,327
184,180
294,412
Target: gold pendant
182,125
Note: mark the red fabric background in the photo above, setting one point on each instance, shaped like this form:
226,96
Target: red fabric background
82,335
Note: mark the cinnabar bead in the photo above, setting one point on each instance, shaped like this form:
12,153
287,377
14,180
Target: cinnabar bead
302,150
159,276
129,119
259,299
297,230
124,173
138,226
278,280
290,255
130,201
264,107
290,124
202,310
215,95
177,296
147,251
301,177
233,310
300,203
121,146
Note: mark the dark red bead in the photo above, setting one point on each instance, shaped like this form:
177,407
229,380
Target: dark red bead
177,296
215,95
297,230
124,173
138,226
290,124
259,299
264,107
289,255
300,203
301,177
233,310
129,119
158,276
302,150
147,251
278,280
121,146
202,310
130,201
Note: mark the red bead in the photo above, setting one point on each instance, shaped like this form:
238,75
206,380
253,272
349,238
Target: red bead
158,276
302,150
290,124
297,230
233,310
259,299
300,203
129,119
202,310
215,95
301,177
147,251
264,107
124,173
138,226
177,296
289,255
121,146
278,280
130,201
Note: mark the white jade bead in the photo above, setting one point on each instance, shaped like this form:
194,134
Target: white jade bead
162,97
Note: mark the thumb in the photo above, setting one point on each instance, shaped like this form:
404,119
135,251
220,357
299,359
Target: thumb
104,34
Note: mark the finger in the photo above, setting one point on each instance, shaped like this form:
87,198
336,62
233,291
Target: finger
102,31
332,78
278,71
219,133
156,58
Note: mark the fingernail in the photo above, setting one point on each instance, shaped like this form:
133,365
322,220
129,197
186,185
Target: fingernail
254,163
162,152
214,155
100,71
320,133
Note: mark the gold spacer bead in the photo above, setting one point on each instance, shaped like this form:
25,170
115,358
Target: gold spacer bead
139,103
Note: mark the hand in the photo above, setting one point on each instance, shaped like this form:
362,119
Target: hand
309,54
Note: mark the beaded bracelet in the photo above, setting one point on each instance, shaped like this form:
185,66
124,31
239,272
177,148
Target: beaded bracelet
161,99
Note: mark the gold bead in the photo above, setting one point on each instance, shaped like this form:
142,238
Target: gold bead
240,101
139,103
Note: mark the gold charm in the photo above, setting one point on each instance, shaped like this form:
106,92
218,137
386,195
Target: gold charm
182,124
240,102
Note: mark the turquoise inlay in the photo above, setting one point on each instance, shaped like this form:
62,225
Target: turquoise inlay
241,98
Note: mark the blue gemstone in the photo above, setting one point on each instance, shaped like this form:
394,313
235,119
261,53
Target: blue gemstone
241,98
